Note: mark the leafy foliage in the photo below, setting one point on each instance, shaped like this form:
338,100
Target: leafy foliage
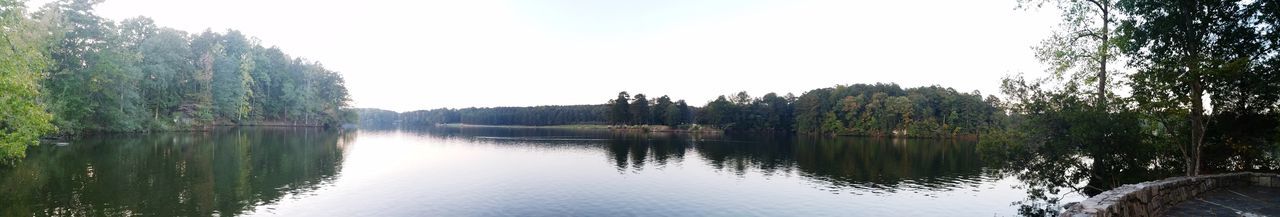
1084,44
135,76
22,117
1185,51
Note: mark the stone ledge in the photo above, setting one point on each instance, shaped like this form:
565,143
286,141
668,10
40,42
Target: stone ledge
1154,197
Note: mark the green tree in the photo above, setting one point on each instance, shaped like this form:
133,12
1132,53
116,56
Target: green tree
1180,48
94,82
640,110
811,109
777,111
231,77
21,69
268,75
662,111
1082,46
719,112
672,115
686,113
620,109
166,65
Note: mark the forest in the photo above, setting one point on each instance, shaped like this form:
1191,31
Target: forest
67,70
857,110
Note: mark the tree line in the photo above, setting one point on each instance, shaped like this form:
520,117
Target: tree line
646,113
859,110
66,69
522,116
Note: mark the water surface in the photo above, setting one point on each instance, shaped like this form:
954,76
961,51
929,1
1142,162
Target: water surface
503,172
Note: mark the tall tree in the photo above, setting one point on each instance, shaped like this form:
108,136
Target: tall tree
93,79
269,65
231,77
661,110
620,109
205,49
672,115
640,110
686,113
166,65
1180,48
1082,46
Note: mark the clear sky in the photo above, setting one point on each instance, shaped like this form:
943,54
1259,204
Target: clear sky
419,54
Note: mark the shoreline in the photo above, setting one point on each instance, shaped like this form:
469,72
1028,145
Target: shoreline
635,128
60,136
700,130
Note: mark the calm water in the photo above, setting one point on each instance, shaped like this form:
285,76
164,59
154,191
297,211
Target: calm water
503,172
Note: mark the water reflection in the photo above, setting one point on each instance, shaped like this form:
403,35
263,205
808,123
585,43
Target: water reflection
1055,175
875,165
891,164
499,172
878,164
226,172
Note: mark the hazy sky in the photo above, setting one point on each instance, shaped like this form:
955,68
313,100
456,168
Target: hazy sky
418,54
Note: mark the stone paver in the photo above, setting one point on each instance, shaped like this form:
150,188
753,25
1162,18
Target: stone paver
1231,201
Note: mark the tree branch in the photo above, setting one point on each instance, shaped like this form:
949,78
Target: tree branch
1092,34
1097,3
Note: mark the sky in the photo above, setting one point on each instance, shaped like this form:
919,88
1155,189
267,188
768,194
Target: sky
421,54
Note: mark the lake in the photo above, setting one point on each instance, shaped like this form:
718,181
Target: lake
506,172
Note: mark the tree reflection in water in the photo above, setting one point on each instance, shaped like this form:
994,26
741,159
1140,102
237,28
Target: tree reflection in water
1058,158
852,163
225,172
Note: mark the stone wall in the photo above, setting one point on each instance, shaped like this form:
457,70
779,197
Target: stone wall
1154,197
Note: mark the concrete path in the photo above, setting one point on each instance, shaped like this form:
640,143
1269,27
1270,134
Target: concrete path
1233,201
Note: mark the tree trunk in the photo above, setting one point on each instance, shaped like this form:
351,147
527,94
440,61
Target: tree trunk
1197,125
1196,117
1105,49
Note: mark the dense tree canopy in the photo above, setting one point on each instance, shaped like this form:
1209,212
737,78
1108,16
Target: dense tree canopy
135,76
886,109
68,66
1185,51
